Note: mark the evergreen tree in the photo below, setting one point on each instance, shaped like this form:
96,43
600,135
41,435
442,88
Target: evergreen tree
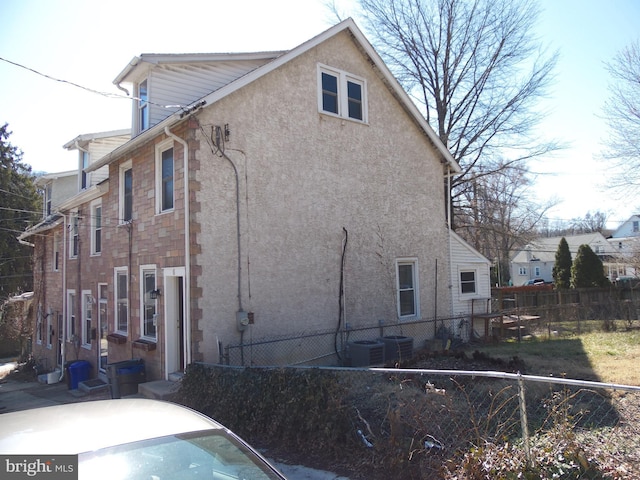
19,206
562,266
587,270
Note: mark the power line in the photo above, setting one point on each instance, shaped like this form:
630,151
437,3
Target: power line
91,90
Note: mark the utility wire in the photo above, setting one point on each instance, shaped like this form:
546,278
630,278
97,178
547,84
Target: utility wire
91,90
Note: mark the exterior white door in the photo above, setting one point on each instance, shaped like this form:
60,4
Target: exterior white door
176,336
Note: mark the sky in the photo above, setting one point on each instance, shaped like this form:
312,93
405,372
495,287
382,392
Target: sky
89,43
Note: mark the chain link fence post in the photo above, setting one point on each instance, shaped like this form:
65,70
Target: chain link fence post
523,420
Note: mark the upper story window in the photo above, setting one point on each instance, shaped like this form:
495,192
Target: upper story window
522,270
143,106
74,235
407,288
84,176
55,257
164,177
636,226
96,228
47,200
341,94
126,192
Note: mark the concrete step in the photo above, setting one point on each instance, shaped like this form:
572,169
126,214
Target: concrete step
159,389
93,386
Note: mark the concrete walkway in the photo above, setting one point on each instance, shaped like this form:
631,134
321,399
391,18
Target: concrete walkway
16,394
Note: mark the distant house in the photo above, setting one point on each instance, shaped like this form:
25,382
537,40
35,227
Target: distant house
629,228
625,242
536,259
270,181
56,188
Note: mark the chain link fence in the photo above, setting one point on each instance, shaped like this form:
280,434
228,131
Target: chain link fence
517,314
351,346
433,424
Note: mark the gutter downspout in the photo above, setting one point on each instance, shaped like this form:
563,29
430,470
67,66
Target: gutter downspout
451,267
63,344
187,241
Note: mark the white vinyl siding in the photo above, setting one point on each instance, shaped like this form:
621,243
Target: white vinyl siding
182,84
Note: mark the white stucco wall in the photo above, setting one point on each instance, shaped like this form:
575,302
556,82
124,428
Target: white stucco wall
304,176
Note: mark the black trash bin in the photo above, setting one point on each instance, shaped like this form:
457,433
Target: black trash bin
125,376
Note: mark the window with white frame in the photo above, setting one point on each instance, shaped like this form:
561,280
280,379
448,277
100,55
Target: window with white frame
49,329
84,175
47,200
103,325
55,257
126,192
522,270
121,282
468,284
536,271
96,227
143,106
636,226
71,315
39,326
407,288
87,315
74,235
149,305
341,94
164,177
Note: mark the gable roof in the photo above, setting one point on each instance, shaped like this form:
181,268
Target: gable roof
88,137
544,249
479,257
622,230
215,96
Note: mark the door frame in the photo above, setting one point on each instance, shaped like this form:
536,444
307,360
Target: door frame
172,303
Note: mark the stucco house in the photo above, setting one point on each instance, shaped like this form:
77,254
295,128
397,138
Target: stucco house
536,259
259,194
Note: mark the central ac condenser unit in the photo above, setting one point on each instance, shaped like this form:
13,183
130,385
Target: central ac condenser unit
397,348
365,352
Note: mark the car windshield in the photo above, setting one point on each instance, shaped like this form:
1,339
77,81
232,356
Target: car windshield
211,454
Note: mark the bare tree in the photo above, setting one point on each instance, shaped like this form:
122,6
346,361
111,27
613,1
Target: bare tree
501,215
590,223
622,113
476,69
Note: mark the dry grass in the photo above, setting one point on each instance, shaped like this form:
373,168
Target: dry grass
610,357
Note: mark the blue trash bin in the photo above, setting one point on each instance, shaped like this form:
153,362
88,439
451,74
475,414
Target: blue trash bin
79,372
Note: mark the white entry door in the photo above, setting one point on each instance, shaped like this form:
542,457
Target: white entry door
176,334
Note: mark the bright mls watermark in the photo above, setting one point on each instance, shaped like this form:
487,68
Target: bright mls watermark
49,467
